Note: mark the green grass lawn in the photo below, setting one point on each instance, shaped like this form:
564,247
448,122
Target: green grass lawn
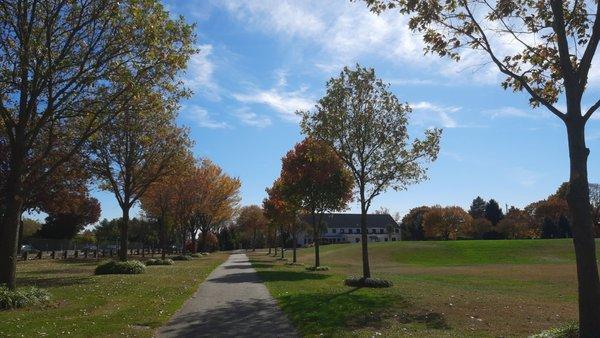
85,305
441,289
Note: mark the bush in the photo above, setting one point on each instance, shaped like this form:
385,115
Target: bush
120,268
317,268
13,299
295,264
159,262
367,282
568,331
196,255
182,258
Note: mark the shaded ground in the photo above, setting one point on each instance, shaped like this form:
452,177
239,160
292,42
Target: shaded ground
441,289
232,302
84,305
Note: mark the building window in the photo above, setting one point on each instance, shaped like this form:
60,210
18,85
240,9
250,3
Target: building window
334,230
385,239
341,231
380,231
357,231
397,230
357,240
393,239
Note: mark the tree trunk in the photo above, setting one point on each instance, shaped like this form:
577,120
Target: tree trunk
282,244
316,239
194,242
204,241
9,237
163,237
124,234
364,235
583,233
294,244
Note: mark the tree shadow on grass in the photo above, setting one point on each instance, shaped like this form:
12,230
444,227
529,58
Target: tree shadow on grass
266,276
52,281
328,313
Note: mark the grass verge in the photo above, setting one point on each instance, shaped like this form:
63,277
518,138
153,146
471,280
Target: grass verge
84,305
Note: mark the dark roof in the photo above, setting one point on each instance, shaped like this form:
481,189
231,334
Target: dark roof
335,220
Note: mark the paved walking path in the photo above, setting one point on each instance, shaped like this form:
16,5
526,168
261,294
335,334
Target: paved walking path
232,302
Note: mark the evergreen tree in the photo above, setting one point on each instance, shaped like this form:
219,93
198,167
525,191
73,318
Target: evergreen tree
477,209
493,212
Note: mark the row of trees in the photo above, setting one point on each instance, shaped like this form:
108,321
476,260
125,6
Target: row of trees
89,93
548,218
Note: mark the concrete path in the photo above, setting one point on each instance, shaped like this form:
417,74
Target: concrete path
232,302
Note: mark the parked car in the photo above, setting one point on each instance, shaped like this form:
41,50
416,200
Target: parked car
29,249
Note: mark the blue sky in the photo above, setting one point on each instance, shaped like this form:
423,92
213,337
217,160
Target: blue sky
259,61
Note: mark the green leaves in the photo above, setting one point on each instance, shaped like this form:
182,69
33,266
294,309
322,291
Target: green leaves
366,125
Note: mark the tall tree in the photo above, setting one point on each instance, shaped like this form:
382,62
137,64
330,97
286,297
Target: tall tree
136,151
315,177
492,212
65,223
556,42
412,224
366,125
477,209
67,68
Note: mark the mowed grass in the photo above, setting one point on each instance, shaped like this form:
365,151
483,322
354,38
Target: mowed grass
84,305
441,289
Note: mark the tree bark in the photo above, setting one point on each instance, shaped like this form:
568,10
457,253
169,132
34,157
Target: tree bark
294,244
364,244
124,234
583,232
163,236
317,238
282,244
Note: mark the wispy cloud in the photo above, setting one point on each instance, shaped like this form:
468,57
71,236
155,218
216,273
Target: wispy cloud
202,118
524,176
199,74
286,103
427,113
250,118
504,112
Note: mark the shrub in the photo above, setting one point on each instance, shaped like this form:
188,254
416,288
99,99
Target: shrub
568,331
182,258
295,264
196,255
159,262
120,268
367,282
13,299
317,268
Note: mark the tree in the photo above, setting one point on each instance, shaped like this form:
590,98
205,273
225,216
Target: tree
219,198
480,228
136,151
366,125
68,68
283,210
446,222
252,221
412,224
517,224
493,213
556,42
477,209
314,177
66,223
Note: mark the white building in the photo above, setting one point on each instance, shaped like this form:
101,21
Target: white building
345,228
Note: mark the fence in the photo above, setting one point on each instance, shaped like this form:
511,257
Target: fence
89,254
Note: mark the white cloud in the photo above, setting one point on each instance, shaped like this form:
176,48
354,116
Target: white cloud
503,112
427,113
525,177
250,118
286,103
202,118
199,74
